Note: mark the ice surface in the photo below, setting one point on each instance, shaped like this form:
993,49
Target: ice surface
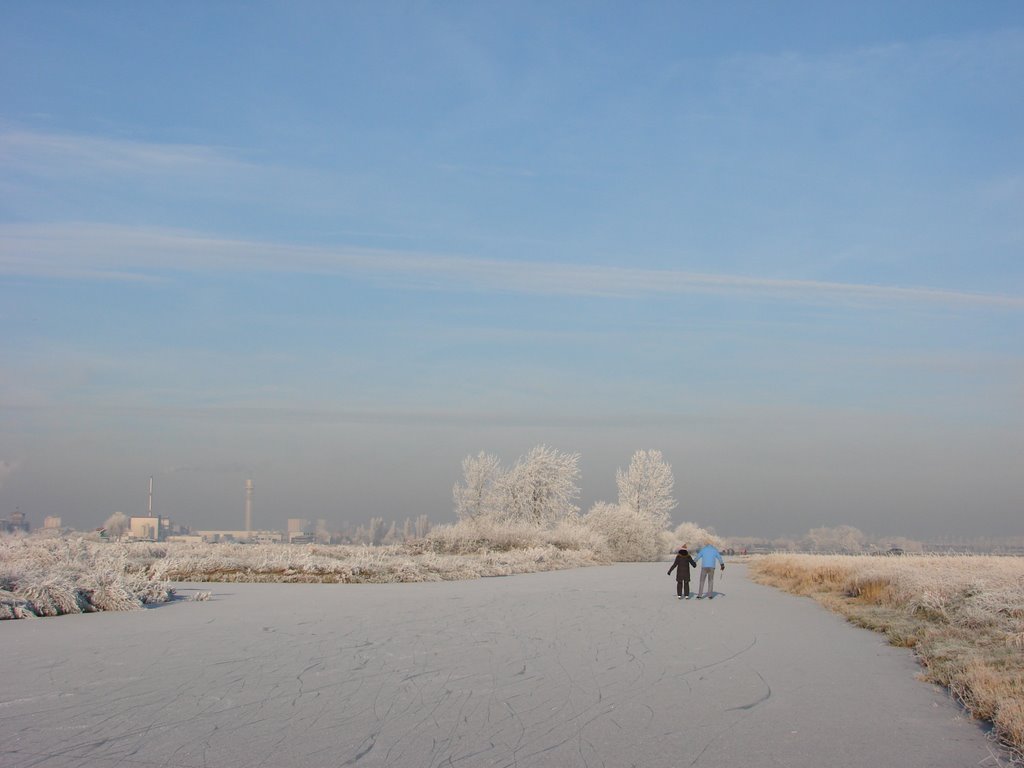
589,667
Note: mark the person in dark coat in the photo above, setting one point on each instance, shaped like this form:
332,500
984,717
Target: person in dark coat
682,568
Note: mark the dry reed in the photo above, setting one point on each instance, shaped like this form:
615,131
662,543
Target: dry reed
42,576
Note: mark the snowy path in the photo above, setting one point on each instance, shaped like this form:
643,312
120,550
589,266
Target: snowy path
592,667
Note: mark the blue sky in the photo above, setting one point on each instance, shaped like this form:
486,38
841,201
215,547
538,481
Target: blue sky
337,247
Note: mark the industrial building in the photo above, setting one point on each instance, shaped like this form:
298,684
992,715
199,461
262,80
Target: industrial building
148,527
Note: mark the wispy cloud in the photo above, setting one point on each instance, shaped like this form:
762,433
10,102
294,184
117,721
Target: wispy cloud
61,154
110,252
488,170
889,64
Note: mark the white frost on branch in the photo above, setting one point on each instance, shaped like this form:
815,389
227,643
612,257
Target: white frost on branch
646,487
541,488
476,498
631,536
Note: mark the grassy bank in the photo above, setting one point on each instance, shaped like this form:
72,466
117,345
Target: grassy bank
963,615
41,576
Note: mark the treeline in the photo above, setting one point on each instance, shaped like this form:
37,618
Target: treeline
534,502
849,540
538,494
378,533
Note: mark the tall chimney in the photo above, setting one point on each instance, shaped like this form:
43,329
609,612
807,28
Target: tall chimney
248,505
150,508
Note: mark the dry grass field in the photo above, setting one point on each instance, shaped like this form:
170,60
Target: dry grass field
963,615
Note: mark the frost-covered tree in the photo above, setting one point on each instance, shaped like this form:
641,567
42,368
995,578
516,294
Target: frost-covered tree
646,487
377,530
477,498
117,525
541,488
422,526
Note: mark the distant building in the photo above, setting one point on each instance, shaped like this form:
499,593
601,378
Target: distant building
15,523
148,528
51,523
254,537
298,525
301,531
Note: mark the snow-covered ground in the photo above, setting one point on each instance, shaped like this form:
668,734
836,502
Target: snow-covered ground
588,667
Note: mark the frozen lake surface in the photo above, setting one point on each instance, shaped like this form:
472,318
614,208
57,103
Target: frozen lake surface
590,667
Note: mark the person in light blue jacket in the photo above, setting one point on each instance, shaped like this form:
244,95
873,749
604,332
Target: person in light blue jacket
707,557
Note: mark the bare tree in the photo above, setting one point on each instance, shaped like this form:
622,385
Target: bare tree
646,487
422,526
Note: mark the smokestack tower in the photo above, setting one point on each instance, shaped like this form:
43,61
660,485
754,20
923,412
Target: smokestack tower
149,510
248,505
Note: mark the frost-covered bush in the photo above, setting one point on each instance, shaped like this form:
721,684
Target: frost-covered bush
574,534
485,535
631,536
695,537
442,557
47,576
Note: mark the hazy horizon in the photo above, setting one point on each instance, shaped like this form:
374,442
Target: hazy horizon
337,248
